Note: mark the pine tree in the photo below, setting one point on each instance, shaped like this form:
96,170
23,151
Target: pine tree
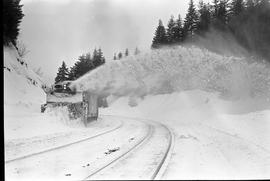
62,74
220,15
100,57
170,31
120,55
237,6
204,17
86,63
12,16
191,20
95,57
215,9
160,36
114,56
179,30
71,75
126,52
83,66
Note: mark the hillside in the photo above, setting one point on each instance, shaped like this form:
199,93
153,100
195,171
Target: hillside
22,86
23,96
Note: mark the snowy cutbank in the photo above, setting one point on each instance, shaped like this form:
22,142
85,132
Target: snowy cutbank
23,96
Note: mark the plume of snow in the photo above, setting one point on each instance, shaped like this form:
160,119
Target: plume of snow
176,69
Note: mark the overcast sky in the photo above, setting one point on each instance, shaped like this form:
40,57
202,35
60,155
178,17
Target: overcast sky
61,30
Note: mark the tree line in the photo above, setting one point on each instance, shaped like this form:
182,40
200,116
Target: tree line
12,17
84,64
247,20
120,55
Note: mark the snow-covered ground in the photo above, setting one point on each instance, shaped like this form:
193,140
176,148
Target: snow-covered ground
217,107
214,138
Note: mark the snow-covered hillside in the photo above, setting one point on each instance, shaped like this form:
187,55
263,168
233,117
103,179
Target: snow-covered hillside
22,86
23,96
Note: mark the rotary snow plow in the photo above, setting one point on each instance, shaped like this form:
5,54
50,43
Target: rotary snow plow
80,104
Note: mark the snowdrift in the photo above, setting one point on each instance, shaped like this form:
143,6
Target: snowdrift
235,130
176,69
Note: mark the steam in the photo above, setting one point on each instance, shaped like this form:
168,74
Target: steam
176,69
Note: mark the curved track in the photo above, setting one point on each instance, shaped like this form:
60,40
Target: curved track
161,166
164,162
147,136
65,145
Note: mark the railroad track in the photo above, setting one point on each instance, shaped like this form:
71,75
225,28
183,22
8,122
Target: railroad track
161,168
64,146
147,136
162,165
157,172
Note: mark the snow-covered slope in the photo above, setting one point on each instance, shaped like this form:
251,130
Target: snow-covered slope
22,86
23,96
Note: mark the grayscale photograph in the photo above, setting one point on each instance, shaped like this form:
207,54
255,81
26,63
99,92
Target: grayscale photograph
136,89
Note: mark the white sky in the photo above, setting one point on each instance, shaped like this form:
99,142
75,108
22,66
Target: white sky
61,30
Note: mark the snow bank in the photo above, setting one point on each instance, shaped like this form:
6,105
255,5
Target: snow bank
177,69
214,138
22,86
23,96
249,118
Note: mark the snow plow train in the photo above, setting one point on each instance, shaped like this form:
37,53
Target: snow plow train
82,105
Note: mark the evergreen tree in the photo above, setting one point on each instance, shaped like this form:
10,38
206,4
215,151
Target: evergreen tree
72,73
237,6
82,66
95,57
160,36
178,30
204,17
215,9
114,56
86,63
12,16
120,55
191,20
254,22
100,57
126,52
88,57
62,74
170,32
221,15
